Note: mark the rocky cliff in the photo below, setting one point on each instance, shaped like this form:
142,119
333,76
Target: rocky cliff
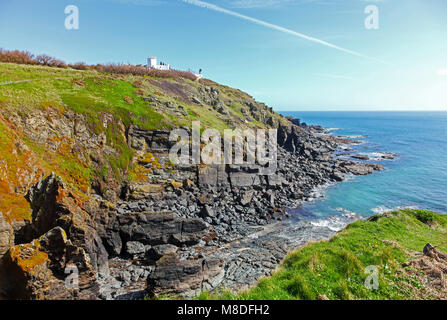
86,183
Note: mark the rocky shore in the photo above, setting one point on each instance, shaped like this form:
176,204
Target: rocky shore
245,213
180,232
117,215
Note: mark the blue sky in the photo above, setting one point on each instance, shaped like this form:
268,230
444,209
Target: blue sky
402,65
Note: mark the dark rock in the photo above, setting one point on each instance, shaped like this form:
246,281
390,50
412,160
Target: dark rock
154,228
55,205
246,197
207,211
6,236
135,247
337,176
242,179
196,101
186,277
156,252
427,248
360,157
38,270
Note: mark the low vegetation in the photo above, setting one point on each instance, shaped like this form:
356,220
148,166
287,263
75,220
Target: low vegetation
24,57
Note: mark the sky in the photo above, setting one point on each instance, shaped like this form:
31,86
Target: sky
290,54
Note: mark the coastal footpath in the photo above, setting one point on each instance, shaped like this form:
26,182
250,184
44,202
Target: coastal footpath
86,182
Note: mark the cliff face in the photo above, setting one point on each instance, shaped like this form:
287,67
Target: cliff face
85,181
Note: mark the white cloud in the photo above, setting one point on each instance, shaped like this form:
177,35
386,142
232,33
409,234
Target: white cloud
442,72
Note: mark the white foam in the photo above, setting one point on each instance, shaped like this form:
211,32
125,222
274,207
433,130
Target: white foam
319,191
382,155
337,223
383,209
354,137
380,209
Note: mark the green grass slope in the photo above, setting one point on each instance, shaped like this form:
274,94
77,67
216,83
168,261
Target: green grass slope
336,268
91,92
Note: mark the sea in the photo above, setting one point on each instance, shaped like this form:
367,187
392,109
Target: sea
416,178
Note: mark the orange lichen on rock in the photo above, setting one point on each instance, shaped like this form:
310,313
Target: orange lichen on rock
18,171
139,173
62,145
128,100
149,159
14,207
176,184
28,256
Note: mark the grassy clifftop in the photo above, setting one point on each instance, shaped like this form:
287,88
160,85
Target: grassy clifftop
75,122
149,102
335,269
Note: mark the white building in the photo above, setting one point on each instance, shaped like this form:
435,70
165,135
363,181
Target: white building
152,63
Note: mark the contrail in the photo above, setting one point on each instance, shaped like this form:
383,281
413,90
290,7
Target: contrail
276,27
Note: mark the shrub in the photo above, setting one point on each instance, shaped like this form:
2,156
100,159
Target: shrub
143,71
16,56
424,216
80,66
24,57
48,61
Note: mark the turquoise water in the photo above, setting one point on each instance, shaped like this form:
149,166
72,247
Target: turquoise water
417,178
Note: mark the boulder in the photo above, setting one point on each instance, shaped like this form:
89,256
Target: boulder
185,277
6,236
135,247
360,169
156,252
246,197
337,176
150,228
360,157
242,179
207,211
45,268
147,190
207,176
54,204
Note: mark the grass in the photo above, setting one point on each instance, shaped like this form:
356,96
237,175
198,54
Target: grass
336,268
91,92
